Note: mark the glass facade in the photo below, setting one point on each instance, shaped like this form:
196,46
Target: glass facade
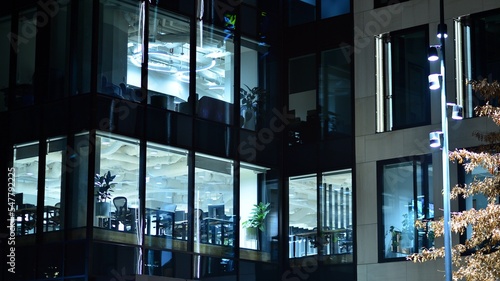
5,49
24,92
321,216
129,146
406,195
26,163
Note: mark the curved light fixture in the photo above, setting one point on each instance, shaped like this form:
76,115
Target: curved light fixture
435,139
442,31
457,113
434,82
433,54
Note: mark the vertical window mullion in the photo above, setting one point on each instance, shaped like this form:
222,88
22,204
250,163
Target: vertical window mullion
379,64
469,111
388,84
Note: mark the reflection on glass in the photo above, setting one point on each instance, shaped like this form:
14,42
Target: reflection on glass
332,8
166,193
168,66
304,127
4,57
77,177
80,83
53,210
121,27
409,72
334,116
214,75
24,92
26,193
252,95
116,183
214,221
301,11
59,23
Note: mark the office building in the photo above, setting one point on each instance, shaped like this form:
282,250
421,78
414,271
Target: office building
228,140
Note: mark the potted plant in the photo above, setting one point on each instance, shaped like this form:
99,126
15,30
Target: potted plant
103,188
251,102
395,239
256,221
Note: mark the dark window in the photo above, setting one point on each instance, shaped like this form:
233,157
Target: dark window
406,97
384,3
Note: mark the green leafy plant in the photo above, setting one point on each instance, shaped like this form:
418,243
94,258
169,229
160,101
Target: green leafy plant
103,185
257,216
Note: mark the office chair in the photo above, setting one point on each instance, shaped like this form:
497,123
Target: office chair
122,213
166,218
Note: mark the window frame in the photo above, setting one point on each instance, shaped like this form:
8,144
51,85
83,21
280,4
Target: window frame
425,162
385,113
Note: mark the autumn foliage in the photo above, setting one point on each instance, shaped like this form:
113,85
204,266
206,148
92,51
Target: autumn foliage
479,257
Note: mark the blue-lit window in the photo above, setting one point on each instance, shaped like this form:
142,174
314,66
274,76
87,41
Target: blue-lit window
305,11
405,196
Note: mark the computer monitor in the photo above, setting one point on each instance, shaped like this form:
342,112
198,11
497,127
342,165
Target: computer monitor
216,211
18,197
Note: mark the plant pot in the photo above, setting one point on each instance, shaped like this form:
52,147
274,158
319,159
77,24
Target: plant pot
102,209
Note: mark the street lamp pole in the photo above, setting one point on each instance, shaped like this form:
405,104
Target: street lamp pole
445,151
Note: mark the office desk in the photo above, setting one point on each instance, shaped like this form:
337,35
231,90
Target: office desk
334,241
26,219
212,225
158,219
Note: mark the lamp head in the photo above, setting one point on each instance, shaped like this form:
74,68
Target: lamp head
434,82
457,113
432,54
442,31
435,138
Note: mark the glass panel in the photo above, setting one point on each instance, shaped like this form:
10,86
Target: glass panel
477,201
59,24
335,95
120,37
117,184
253,94
80,82
303,217
214,74
396,205
24,92
485,37
332,8
5,47
167,263
214,268
214,219
121,261
53,203
26,178
77,177
409,71
301,11
168,75
302,100
336,215
166,195
255,207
